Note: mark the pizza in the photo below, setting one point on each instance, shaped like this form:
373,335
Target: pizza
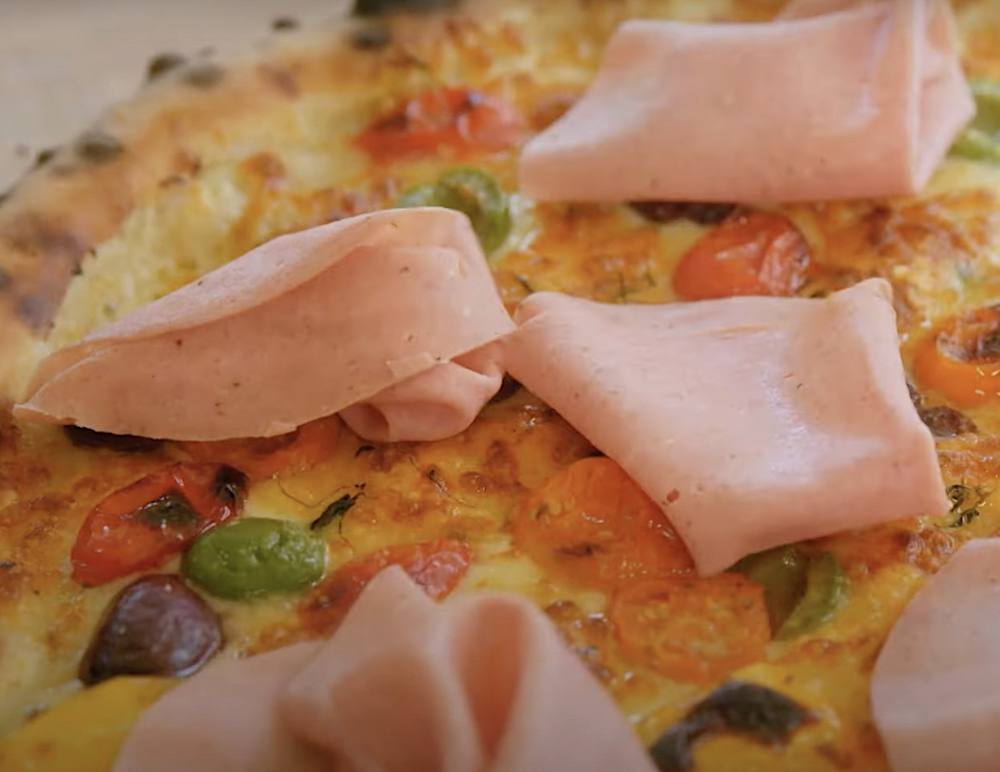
180,462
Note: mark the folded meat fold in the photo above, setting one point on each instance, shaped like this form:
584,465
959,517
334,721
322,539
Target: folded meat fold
935,687
751,421
480,683
301,327
834,99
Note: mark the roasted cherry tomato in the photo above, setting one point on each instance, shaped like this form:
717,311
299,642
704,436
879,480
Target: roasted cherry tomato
261,457
691,629
145,523
594,527
756,253
457,118
960,358
436,566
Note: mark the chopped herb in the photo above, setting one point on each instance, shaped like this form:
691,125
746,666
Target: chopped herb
230,484
171,510
284,23
965,503
163,63
99,147
334,511
203,74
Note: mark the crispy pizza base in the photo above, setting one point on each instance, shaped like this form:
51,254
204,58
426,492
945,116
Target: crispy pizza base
211,159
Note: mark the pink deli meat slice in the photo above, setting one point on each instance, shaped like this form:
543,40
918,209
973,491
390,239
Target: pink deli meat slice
752,421
302,327
481,683
863,100
936,685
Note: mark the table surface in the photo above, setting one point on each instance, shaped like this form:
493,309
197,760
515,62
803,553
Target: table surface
64,62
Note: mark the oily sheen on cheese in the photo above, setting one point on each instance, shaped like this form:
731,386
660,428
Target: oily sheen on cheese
478,683
744,417
302,327
833,100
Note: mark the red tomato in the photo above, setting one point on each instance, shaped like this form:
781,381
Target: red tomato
758,253
436,566
145,523
459,118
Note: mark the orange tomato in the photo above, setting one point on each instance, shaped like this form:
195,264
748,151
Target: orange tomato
593,526
436,566
143,524
757,253
692,629
960,358
260,457
457,118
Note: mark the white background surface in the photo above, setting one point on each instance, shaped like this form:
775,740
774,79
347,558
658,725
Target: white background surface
63,62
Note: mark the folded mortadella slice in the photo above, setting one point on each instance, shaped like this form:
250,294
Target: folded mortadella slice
861,100
751,421
936,685
481,683
302,327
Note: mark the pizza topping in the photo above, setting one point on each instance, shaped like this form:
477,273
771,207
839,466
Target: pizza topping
473,192
384,316
593,526
692,629
714,112
481,682
943,421
935,688
738,707
758,253
203,74
460,119
163,63
980,141
255,557
668,211
960,358
120,443
749,407
147,522
98,147
154,626
436,566
802,591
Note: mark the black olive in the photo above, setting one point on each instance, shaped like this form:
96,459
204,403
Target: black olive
163,63
376,7
668,211
746,709
98,147
284,22
203,74
82,437
155,626
371,38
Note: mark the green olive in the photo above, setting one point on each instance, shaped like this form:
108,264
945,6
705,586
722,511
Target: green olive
255,557
473,192
981,139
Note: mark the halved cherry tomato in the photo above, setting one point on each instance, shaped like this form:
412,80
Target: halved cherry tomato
462,119
692,629
756,253
143,524
436,566
960,358
260,457
593,526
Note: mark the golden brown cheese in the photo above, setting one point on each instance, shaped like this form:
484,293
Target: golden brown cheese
206,197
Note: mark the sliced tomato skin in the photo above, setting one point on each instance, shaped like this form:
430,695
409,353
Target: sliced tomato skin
754,253
436,566
142,525
461,119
